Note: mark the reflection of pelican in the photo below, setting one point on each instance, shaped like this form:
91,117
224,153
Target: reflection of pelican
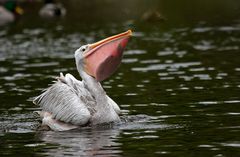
70,103
52,9
82,142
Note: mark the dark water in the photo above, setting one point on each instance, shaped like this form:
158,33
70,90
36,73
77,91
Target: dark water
181,76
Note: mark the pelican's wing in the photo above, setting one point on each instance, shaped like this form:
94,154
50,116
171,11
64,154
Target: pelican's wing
114,105
66,102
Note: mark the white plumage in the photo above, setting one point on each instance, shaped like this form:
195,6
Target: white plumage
70,103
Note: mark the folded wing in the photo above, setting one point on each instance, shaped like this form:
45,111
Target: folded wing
68,101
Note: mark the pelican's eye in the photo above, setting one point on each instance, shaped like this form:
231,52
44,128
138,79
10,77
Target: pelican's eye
84,48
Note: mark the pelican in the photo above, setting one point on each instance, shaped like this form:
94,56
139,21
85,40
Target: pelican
70,103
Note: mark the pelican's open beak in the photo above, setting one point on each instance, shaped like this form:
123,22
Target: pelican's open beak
104,56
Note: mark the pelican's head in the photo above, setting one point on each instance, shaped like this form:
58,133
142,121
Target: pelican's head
102,58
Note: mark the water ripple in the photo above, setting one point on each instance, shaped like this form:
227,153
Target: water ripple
165,66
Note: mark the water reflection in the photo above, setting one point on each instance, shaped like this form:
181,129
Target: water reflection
91,142
101,140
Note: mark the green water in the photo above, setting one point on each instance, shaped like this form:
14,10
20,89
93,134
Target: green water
182,73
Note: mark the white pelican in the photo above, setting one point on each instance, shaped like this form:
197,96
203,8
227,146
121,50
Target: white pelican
70,103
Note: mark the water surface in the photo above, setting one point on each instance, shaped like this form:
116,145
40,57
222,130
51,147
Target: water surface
180,76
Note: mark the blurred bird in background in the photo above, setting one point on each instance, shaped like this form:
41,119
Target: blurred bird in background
9,11
52,9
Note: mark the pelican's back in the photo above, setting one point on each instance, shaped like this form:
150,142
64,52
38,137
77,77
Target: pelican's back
67,101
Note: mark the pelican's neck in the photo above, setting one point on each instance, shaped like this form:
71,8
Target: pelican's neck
94,87
104,111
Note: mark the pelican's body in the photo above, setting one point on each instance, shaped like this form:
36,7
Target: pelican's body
70,103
